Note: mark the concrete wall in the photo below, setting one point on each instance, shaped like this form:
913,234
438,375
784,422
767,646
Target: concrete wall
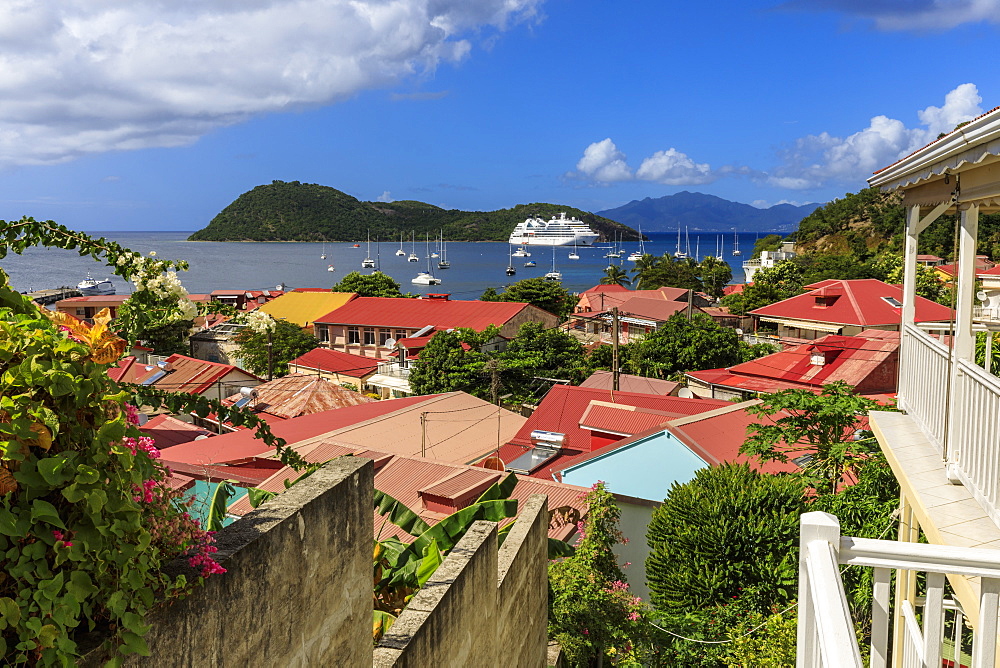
523,589
481,607
298,587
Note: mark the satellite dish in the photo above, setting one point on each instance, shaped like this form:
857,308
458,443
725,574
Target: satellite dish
390,343
143,419
685,393
739,330
981,295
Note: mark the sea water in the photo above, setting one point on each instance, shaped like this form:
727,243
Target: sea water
475,266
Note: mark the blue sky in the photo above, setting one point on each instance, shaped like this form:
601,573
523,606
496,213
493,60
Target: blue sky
146,115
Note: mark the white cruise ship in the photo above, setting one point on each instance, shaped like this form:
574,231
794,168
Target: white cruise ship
561,231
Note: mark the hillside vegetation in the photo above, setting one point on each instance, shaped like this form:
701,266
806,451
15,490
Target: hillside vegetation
293,211
871,222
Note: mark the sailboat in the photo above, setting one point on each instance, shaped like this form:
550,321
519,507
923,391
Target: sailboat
323,256
510,263
697,249
444,264
679,254
553,275
412,257
427,277
637,255
368,262
574,255
736,243
400,252
614,252
522,252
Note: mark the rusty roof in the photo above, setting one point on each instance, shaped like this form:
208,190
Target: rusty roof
298,394
188,375
603,380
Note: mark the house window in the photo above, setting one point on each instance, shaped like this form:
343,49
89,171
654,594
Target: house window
353,335
383,336
81,311
400,334
324,333
369,336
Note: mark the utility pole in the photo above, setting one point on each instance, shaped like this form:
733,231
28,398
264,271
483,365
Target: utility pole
614,348
494,369
270,356
423,434
690,308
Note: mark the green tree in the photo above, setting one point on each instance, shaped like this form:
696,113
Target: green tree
771,242
537,351
375,284
668,272
615,276
755,296
445,365
818,427
683,345
714,274
889,268
288,341
592,615
727,530
549,296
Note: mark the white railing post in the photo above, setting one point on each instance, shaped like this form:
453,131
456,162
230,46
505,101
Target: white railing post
880,618
933,619
984,645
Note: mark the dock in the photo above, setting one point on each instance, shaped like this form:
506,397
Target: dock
46,297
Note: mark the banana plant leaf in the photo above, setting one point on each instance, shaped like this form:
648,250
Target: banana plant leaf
500,490
257,496
399,514
432,558
382,621
560,548
218,504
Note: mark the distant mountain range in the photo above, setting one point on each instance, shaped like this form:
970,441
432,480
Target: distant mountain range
706,213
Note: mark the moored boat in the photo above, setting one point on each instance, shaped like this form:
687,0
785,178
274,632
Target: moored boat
91,286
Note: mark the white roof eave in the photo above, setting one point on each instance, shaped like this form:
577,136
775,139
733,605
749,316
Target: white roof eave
970,144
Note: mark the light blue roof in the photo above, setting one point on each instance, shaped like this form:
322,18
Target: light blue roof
644,469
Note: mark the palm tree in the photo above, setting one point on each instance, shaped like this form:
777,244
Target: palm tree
615,276
643,266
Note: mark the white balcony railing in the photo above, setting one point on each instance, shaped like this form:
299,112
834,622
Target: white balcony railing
923,361
959,417
826,636
393,370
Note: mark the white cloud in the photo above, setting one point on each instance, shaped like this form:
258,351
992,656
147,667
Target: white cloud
386,196
911,15
817,160
603,162
673,168
80,77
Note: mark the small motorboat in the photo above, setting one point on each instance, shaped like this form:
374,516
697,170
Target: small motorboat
91,286
356,246
329,267
529,263
424,278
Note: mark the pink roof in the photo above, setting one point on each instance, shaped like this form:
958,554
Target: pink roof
652,309
242,445
95,298
334,361
409,479
613,287
418,313
299,394
602,300
928,258
734,289
856,302
603,380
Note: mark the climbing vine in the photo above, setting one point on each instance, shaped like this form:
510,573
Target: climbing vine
87,517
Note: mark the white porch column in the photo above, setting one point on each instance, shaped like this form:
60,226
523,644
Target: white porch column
965,339
910,264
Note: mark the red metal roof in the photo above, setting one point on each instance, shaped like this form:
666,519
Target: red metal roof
594,300
167,431
406,313
653,309
334,361
613,287
734,289
189,375
618,419
860,302
563,407
867,360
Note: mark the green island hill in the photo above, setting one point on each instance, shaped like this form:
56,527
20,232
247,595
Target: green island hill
294,211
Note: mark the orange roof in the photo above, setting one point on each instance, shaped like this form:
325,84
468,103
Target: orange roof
187,375
603,380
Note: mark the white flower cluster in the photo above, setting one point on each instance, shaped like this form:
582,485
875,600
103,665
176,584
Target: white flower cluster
260,322
166,286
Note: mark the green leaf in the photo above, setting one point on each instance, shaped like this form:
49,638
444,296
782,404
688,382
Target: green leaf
86,475
429,563
135,643
47,636
257,496
9,611
44,511
8,524
500,490
51,469
560,548
399,514
80,585
217,505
